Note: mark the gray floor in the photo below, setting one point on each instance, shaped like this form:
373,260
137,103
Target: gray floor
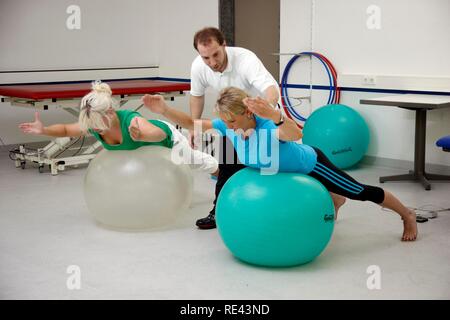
45,228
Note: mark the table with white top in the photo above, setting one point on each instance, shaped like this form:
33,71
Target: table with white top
420,104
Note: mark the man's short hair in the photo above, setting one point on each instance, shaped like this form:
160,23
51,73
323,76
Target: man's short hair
208,34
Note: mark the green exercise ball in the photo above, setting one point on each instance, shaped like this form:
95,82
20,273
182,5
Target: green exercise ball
279,220
340,132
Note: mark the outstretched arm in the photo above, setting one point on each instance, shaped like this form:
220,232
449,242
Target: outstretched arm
142,130
288,131
156,104
56,130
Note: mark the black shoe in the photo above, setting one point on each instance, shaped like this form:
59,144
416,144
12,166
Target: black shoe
207,223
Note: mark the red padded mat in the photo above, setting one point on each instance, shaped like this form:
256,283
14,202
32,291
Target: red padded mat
77,90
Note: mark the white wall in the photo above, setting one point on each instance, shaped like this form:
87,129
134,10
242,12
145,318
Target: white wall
409,52
179,20
114,33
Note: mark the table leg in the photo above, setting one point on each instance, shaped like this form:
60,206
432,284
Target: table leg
419,146
401,177
424,182
431,176
419,154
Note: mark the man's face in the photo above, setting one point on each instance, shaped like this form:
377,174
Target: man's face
214,55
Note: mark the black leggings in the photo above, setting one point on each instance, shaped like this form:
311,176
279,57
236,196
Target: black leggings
334,179
339,182
228,165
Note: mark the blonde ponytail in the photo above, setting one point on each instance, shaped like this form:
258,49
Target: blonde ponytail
101,87
94,106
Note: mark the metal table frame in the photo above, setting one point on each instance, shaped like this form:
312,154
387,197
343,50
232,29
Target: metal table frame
420,106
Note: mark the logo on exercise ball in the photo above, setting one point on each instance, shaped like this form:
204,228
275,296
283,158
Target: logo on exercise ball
334,152
328,217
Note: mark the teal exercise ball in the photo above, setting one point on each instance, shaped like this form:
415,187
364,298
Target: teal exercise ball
279,220
340,132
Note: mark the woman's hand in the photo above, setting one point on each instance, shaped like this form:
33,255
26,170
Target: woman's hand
135,131
36,127
262,108
154,103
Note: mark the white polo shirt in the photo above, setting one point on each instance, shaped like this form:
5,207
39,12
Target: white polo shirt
244,71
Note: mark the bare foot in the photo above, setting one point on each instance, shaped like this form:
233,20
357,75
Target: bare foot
338,203
410,227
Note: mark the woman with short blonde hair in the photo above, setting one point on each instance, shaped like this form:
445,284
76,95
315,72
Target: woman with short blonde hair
252,124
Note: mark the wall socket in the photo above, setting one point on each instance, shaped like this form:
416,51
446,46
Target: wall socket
370,80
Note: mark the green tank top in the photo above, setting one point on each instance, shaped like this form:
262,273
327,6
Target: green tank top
125,117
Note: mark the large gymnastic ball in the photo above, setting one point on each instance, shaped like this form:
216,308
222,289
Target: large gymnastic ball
137,189
278,220
340,132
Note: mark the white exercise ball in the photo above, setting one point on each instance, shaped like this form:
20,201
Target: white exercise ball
137,189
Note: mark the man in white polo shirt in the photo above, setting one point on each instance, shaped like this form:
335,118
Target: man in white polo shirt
218,67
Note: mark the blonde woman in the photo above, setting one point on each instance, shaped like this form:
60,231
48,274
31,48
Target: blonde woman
122,129
253,124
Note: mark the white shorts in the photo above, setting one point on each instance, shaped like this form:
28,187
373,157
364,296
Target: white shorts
183,153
